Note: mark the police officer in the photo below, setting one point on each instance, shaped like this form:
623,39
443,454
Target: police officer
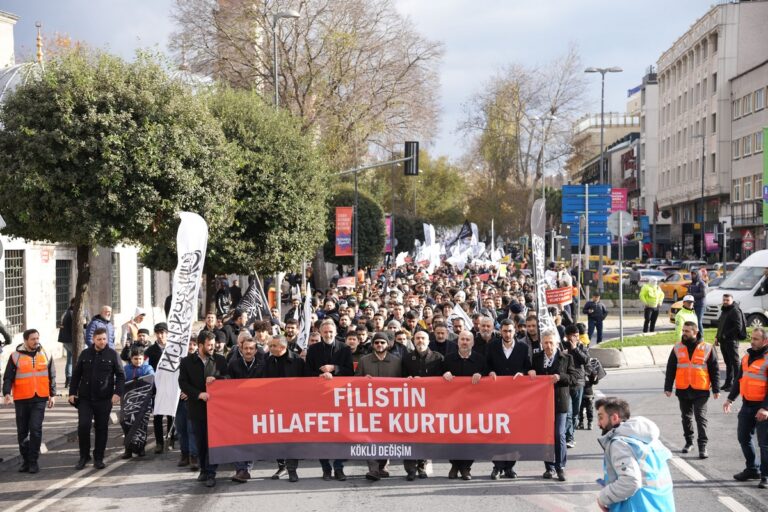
97,384
692,367
31,377
751,383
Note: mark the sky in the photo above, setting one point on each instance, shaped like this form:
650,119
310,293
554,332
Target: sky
480,37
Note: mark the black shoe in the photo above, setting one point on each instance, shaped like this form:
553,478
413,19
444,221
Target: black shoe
589,426
548,474
570,444
24,468
327,476
763,482
510,473
561,475
202,477
159,448
687,448
453,474
281,471
747,474
141,453
465,474
126,455
34,468
82,462
340,475
372,476
703,454
293,476
580,426
194,463
422,474
495,474
240,476
383,473
210,481
411,476
99,464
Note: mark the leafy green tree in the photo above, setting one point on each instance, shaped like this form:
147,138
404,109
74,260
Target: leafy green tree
371,234
99,151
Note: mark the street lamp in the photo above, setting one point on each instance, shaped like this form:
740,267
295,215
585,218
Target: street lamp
602,71
290,13
701,136
543,119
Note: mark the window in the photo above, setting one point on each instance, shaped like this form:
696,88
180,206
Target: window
713,163
14,291
736,108
758,142
696,166
746,146
759,99
63,287
139,284
714,43
736,194
748,188
759,186
714,83
736,149
714,122
115,283
704,89
746,104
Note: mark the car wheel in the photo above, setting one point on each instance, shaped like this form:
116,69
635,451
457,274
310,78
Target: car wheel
756,320
674,296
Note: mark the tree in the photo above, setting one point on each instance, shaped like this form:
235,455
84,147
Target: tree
355,71
521,122
280,194
371,234
99,151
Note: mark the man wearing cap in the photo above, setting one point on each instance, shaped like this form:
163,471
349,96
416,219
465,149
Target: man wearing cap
686,314
142,340
130,329
154,353
652,297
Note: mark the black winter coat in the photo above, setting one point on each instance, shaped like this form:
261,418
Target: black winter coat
562,366
97,375
519,361
192,375
430,364
287,365
730,324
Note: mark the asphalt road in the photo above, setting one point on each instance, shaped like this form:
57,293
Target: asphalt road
157,484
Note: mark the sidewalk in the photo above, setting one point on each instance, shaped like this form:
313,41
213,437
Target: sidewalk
59,427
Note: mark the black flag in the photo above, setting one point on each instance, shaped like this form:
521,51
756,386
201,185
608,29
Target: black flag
254,302
464,233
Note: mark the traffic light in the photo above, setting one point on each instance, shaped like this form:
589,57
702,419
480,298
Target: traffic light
411,151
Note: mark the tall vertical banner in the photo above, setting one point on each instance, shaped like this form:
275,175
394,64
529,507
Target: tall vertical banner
344,215
191,244
538,227
305,321
388,230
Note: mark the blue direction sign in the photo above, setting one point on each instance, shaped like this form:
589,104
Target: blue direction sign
574,205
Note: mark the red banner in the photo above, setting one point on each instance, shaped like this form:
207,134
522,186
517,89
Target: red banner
387,234
344,231
360,418
618,199
560,296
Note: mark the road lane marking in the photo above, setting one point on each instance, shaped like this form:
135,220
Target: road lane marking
688,470
731,504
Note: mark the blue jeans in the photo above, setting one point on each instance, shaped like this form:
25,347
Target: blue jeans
183,425
68,365
338,465
573,411
591,324
560,449
746,429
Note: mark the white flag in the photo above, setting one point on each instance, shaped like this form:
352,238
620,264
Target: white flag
306,321
458,312
191,244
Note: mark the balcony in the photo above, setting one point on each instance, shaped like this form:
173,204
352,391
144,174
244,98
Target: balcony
742,221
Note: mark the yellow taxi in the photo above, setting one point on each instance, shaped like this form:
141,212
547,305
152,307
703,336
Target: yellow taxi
675,285
611,274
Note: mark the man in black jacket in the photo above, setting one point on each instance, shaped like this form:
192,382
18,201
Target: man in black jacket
485,335
196,371
573,346
282,363
730,330
507,356
326,359
698,288
233,327
559,367
249,366
464,363
97,384
442,343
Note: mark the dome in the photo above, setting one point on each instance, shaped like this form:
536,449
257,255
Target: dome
13,76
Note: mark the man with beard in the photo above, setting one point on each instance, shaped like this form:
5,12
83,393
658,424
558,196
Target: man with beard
464,363
486,335
422,362
693,368
441,344
282,363
291,334
636,472
196,371
380,363
352,340
233,327
249,366
559,367
532,335
731,329
506,356
327,359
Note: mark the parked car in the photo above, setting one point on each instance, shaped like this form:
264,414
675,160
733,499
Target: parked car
646,274
715,283
655,262
673,309
675,286
748,286
668,269
611,274
692,265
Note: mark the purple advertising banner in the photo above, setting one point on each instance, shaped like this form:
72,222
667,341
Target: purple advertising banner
388,228
710,244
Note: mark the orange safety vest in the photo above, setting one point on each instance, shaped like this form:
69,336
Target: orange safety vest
31,376
753,384
692,372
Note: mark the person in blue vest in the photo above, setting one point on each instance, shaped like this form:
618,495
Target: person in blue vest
636,462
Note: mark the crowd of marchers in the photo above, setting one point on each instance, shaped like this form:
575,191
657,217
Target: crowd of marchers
401,322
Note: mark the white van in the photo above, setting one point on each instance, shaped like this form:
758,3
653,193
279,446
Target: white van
749,288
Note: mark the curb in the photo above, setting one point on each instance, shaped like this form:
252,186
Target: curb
642,356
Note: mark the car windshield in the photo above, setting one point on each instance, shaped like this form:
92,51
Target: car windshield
653,273
742,278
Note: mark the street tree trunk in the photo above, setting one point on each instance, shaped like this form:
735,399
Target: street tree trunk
81,297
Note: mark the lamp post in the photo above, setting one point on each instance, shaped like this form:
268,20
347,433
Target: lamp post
290,13
543,119
701,136
603,178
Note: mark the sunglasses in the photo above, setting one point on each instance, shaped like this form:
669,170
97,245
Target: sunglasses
379,342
